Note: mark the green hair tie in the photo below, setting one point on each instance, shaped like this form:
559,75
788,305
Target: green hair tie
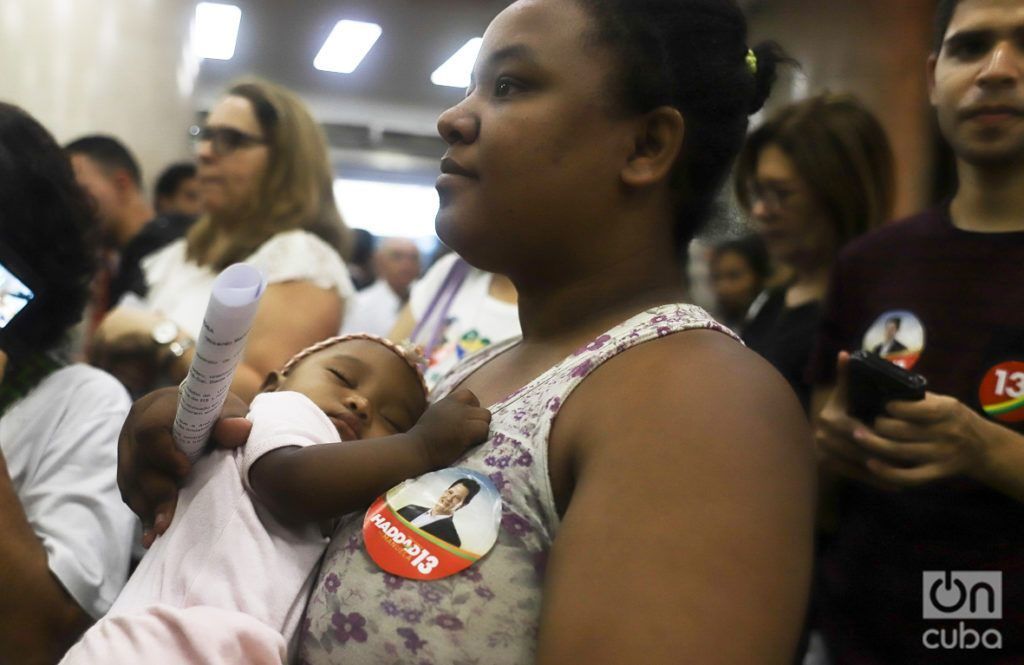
752,61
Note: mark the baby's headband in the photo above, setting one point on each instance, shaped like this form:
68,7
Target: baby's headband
411,354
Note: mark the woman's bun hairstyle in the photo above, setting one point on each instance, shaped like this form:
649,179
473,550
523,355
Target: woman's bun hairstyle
691,55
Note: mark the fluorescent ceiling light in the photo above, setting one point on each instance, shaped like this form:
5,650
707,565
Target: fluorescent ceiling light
216,30
457,70
388,209
346,46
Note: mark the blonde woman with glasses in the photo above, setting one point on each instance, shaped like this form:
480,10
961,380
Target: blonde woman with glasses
266,186
816,175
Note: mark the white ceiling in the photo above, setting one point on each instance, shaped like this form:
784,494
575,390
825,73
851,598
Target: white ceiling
380,118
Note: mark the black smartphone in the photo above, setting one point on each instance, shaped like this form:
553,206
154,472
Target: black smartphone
20,290
872,382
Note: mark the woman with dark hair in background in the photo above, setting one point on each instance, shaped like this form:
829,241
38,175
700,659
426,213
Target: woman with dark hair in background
64,531
816,175
268,199
657,477
739,268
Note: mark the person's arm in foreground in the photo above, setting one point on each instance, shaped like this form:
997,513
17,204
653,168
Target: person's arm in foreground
322,482
918,443
39,619
291,316
150,468
689,534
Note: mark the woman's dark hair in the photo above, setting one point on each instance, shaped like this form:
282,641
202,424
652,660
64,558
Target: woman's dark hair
751,248
691,55
47,221
840,150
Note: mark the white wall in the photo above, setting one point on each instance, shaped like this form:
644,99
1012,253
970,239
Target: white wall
121,67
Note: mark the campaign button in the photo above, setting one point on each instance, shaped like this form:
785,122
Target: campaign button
1001,393
433,526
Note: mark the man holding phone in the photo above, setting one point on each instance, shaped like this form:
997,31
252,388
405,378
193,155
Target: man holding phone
938,484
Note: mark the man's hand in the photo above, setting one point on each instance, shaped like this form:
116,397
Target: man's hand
920,442
150,468
450,426
839,450
916,443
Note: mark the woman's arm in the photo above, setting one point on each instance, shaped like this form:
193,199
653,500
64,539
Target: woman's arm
291,316
39,619
150,468
688,535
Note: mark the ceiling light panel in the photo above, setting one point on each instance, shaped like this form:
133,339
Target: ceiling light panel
456,72
216,30
346,46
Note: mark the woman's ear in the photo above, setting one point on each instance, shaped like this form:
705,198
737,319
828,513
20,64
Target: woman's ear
656,147
272,382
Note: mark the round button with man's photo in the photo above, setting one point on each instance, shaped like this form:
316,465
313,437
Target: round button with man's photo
897,336
433,526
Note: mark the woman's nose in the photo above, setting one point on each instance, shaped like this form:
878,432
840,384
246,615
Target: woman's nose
459,124
204,151
759,210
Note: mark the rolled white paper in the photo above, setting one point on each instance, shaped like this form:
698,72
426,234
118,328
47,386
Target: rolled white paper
221,343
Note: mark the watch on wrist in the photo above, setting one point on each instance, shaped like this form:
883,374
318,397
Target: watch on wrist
179,346
166,334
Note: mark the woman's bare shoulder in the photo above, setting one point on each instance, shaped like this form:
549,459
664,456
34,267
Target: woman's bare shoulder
704,362
696,385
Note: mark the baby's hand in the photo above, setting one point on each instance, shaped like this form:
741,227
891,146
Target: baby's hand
450,426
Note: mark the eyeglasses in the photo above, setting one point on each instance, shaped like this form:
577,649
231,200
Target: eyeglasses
774,197
224,140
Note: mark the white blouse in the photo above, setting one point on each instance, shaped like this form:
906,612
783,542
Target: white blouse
180,289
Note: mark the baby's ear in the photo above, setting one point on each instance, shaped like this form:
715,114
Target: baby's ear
272,382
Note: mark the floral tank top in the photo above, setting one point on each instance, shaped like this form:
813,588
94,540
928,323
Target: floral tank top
489,613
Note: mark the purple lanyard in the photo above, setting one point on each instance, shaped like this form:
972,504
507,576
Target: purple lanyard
446,294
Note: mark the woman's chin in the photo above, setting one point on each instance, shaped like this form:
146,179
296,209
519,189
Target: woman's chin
450,228
224,210
469,243
213,206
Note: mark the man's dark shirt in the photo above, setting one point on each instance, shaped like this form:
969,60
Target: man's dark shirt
155,235
443,528
967,291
